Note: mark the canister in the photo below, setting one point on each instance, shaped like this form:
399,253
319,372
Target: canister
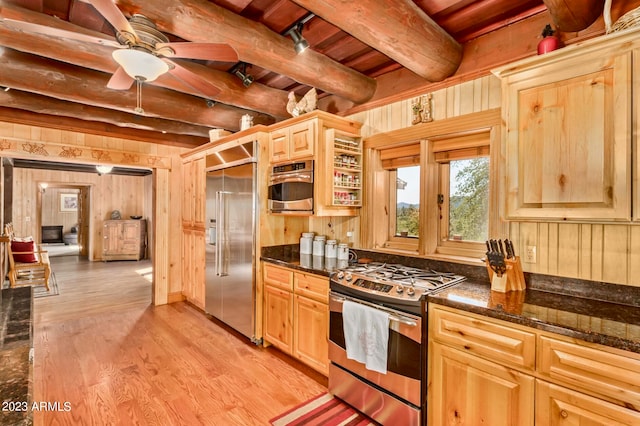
343,252
306,243
318,245
331,249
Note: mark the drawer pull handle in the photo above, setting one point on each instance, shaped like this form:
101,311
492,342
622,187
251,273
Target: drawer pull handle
564,414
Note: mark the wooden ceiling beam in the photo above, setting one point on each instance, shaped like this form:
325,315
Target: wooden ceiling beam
38,75
574,15
399,29
202,21
55,107
257,97
28,118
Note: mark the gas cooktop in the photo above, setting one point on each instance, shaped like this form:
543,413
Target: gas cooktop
391,283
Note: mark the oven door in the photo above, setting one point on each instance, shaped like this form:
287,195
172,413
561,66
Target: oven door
404,362
291,193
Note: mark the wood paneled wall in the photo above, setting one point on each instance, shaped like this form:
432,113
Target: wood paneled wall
156,196
592,251
108,193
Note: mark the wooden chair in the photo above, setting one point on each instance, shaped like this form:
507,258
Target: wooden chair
28,264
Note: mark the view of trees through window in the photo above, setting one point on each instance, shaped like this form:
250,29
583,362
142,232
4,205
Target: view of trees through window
469,199
408,201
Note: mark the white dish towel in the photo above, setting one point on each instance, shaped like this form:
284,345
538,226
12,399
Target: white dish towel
366,335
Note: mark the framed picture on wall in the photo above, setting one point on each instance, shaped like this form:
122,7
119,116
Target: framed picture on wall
68,202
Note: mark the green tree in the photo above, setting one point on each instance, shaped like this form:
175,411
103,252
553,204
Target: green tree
469,206
408,219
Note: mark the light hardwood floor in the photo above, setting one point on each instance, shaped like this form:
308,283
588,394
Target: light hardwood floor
117,360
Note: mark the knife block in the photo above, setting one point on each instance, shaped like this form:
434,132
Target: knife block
511,280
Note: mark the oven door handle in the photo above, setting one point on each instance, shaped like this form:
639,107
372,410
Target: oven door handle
392,316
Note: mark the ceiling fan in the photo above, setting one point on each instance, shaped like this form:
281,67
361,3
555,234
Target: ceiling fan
145,52
142,52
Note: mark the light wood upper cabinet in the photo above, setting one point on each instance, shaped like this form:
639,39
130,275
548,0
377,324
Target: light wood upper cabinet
291,143
568,133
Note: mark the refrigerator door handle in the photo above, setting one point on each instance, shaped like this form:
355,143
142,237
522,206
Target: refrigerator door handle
221,235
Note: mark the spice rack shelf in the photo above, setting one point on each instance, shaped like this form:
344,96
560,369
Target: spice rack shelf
347,170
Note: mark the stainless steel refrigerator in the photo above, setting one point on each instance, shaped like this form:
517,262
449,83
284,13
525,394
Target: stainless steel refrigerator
230,243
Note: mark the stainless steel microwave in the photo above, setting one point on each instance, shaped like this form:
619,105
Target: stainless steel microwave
291,188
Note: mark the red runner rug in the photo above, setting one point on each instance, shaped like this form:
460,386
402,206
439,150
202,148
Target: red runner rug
322,410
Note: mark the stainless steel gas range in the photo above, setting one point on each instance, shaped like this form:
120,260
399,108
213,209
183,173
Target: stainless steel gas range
395,394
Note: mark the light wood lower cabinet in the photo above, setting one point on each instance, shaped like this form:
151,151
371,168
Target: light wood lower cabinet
278,321
466,389
124,239
296,315
193,266
556,405
487,371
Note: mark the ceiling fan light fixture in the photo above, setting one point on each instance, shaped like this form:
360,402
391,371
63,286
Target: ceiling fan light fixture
103,170
139,64
300,44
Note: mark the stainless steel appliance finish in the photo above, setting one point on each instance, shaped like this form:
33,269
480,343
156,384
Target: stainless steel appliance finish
399,396
291,188
230,248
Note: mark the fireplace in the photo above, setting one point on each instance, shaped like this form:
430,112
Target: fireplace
52,234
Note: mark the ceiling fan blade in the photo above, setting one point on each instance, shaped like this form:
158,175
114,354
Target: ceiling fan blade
206,89
110,11
120,80
207,51
31,28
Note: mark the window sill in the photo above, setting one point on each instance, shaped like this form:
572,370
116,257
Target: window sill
466,260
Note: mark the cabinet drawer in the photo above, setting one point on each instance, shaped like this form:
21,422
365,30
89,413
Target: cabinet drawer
312,286
278,277
556,405
593,370
491,339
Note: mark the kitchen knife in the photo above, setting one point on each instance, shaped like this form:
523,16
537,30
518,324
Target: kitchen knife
501,248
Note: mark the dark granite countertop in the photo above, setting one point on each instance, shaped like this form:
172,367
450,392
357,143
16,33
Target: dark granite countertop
604,313
289,256
16,368
596,321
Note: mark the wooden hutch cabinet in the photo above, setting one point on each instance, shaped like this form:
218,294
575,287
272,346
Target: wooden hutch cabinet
124,239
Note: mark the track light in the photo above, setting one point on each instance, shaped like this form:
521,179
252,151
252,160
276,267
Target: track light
241,73
299,42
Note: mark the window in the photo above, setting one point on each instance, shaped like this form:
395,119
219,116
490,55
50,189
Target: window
407,197
463,198
403,167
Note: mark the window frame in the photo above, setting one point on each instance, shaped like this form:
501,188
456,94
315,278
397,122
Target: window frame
374,220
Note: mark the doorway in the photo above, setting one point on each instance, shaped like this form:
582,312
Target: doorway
63,214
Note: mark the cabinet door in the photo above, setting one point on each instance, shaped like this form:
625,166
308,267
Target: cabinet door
112,235
279,145
311,340
556,405
569,139
465,389
301,140
278,318
198,201
130,237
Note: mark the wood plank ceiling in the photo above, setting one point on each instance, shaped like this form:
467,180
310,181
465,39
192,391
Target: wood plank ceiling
56,57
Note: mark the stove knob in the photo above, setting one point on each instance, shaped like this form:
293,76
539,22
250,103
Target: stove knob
348,276
411,291
340,275
399,288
